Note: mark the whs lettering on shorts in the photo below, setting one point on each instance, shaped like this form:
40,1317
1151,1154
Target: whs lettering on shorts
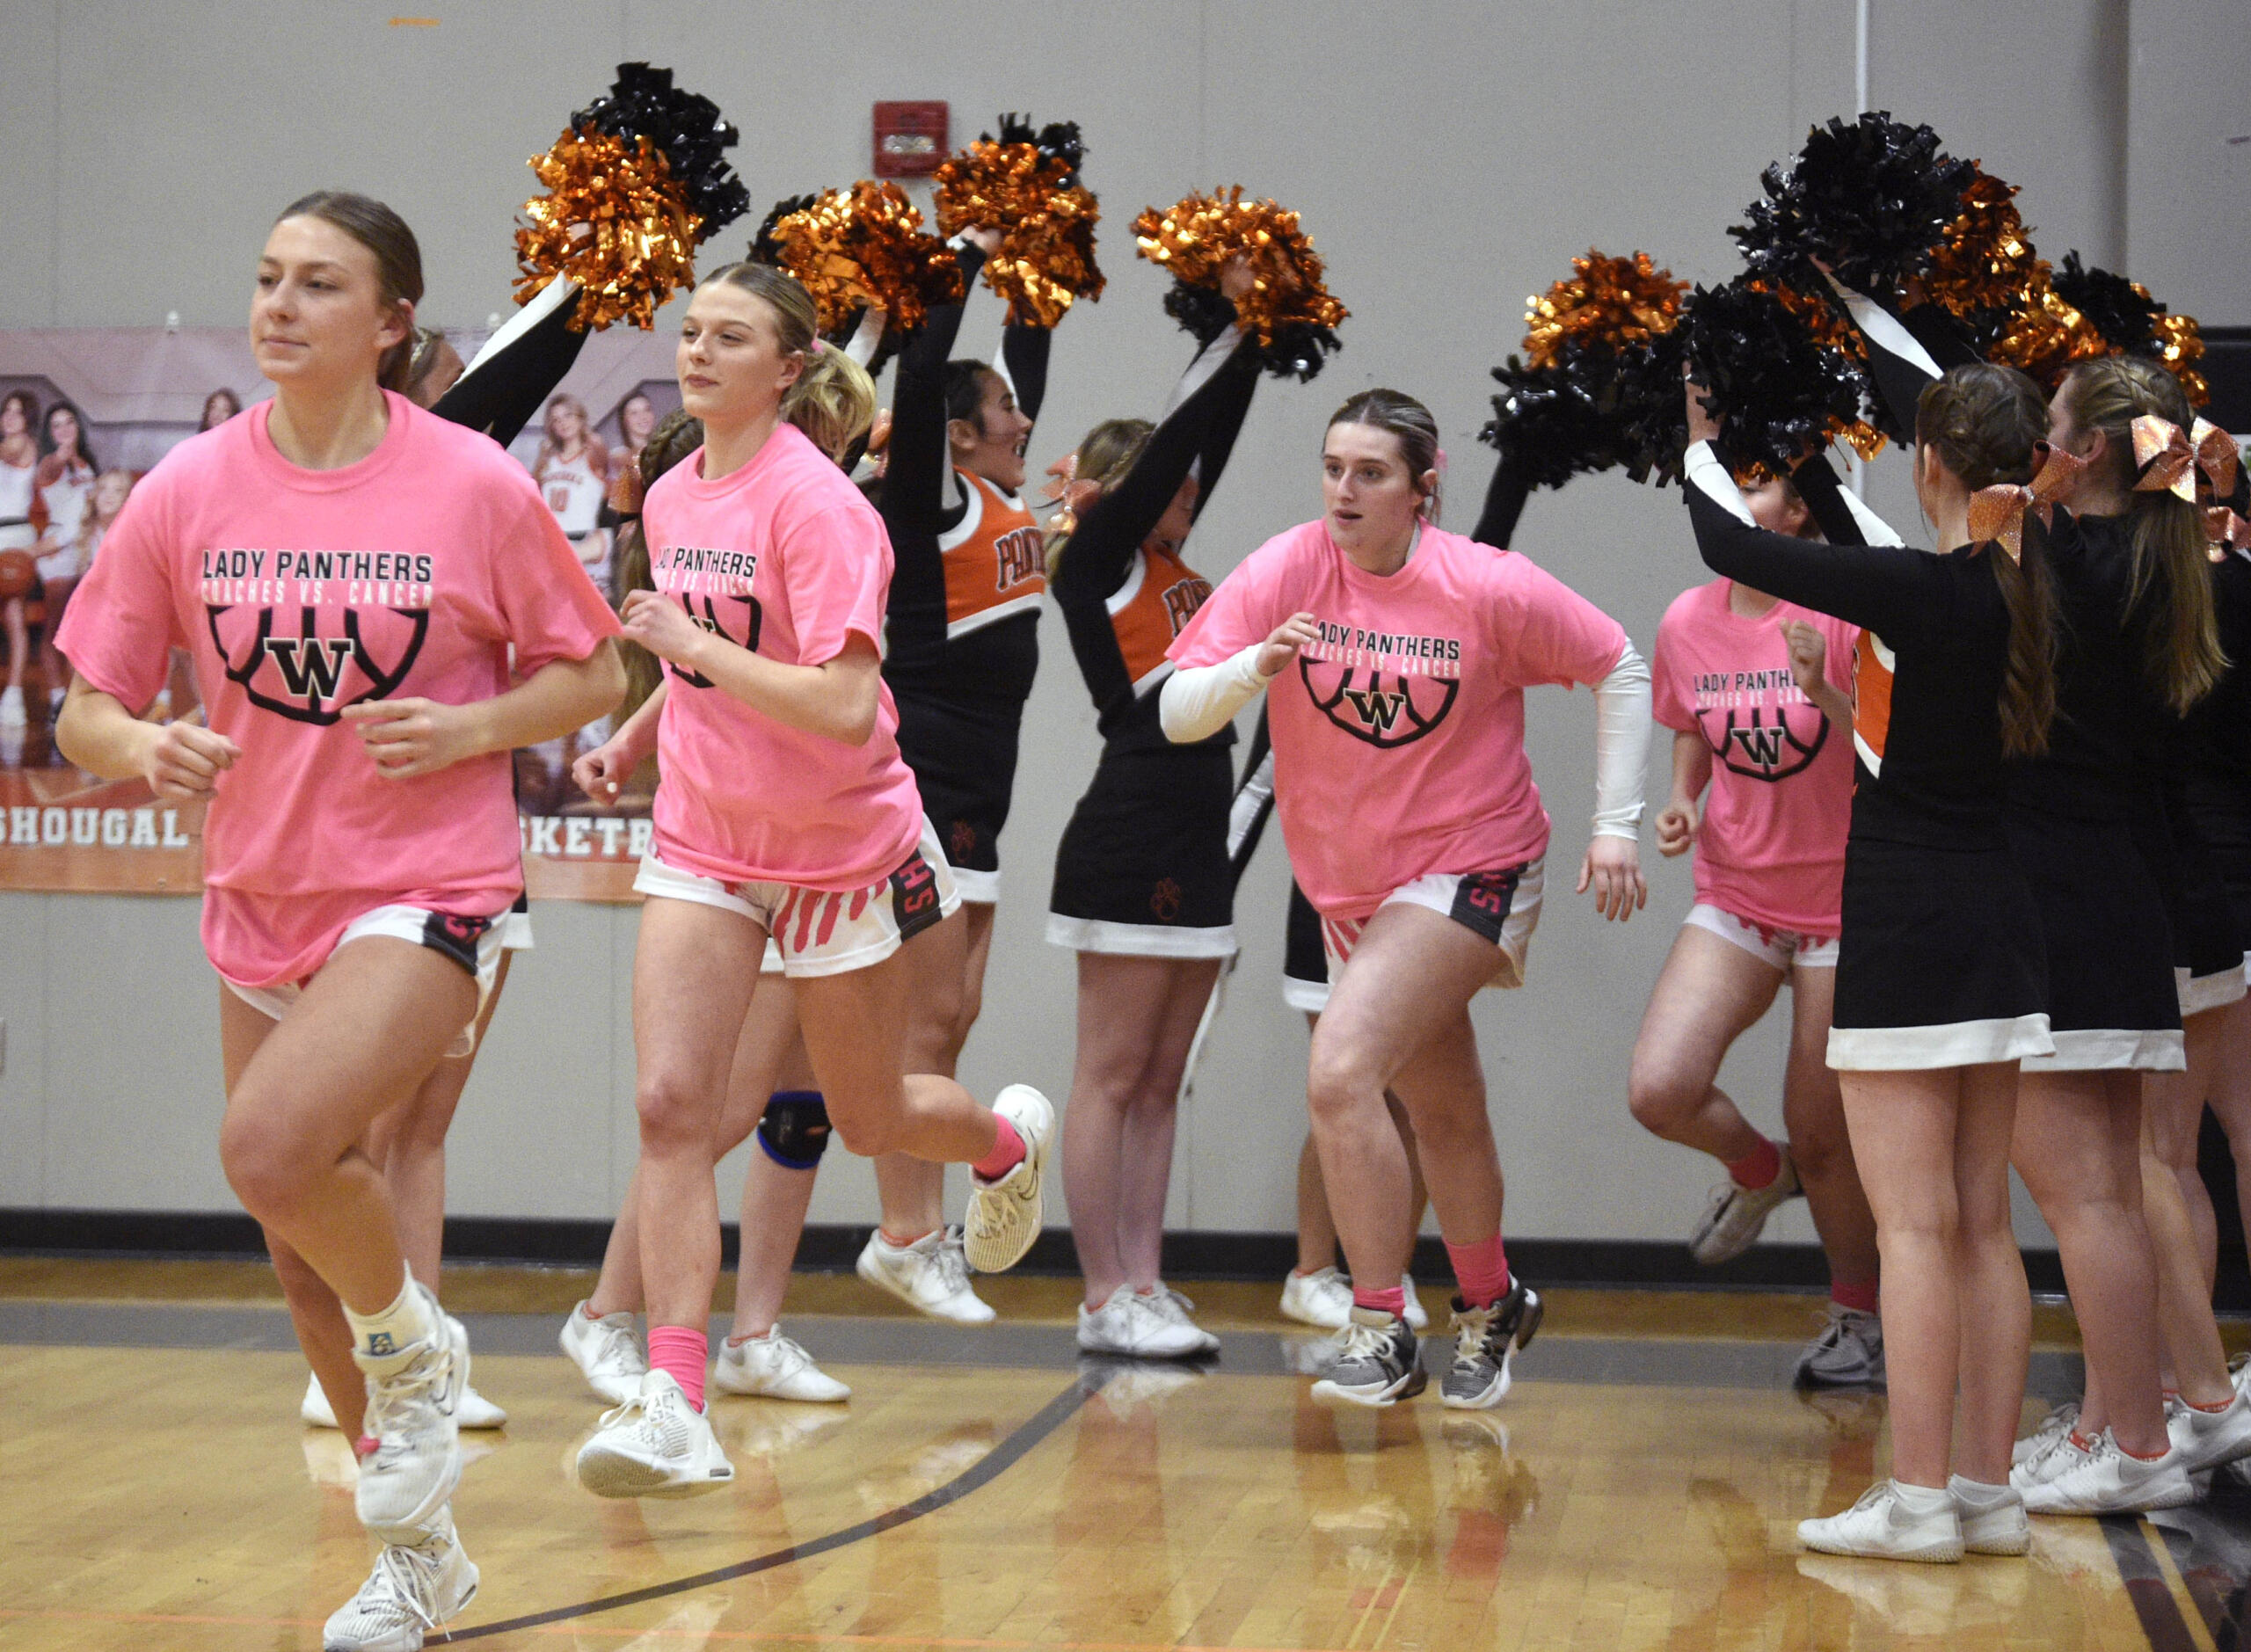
714,585
1758,722
1386,688
305,633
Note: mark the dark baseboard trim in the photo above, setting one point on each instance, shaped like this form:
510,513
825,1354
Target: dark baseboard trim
832,1249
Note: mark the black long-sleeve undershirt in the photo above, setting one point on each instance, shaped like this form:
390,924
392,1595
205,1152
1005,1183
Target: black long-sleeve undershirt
1097,559
503,389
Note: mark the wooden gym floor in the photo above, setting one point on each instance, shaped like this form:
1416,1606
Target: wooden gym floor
986,1488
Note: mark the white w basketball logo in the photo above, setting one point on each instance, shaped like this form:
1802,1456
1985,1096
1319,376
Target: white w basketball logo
311,666
1378,709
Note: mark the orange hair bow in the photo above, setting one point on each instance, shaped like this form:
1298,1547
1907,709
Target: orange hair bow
2168,460
1997,512
2225,530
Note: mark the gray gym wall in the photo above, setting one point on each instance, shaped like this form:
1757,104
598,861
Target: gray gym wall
1448,160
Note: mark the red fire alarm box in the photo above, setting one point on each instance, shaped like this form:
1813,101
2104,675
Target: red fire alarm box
911,138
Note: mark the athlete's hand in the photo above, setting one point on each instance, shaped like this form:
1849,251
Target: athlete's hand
601,773
408,739
1808,655
1277,651
1613,867
1702,426
983,238
661,626
182,763
1677,824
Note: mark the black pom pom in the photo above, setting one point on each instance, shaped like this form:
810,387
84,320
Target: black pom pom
643,103
763,248
1593,408
1300,350
1871,199
2125,317
1058,141
1778,391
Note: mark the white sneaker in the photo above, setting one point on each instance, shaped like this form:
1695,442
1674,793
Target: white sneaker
930,1276
1004,1215
656,1444
777,1367
607,1352
1415,1318
1133,1327
12,708
413,1588
1738,1215
2101,1479
474,1410
2206,1440
2060,1422
1320,1298
407,1480
1997,1527
1181,1311
1880,1527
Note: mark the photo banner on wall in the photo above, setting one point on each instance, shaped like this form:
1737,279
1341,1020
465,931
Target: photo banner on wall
85,413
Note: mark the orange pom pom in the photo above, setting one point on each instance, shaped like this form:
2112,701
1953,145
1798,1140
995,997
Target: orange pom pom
615,221
1621,303
1199,235
866,246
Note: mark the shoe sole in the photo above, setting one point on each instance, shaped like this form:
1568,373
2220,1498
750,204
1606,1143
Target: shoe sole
1942,1554
873,1273
990,1255
606,1474
2017,1545
725,1387
1289,1313
1406,1388
2140,1505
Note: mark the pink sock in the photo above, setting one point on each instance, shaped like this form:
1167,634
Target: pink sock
1390,1300
1757,1168
1857,1294
680,1354
1482,1270
1008,1152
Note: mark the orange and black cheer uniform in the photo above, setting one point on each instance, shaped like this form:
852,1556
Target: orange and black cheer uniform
963,621
1142,868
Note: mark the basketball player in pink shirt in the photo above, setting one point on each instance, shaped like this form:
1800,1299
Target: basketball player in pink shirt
381,609
1395,656
1762,790
785,810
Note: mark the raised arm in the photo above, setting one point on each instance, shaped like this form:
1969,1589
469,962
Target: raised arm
500,391
1888,589
1102,546
1023,362
1505,498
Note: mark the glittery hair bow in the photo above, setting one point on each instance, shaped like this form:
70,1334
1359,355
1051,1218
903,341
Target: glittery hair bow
1997,512
2168,460
2227,531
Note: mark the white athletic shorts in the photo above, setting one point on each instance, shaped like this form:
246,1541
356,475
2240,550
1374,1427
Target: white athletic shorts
474,944
1503,907
1779,948
821,931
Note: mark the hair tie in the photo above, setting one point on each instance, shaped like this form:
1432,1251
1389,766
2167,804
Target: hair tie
1997,512
819,346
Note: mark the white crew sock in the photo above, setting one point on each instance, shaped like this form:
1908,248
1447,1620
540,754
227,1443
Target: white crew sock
1979,1497
388,1333
1922,1501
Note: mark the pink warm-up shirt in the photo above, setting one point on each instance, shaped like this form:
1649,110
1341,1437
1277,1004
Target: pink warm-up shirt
785,557
412,574
1770,847
1399,736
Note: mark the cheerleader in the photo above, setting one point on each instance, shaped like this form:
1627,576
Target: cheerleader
1398,656
18,485
361,844
2147,544
1744,682
1142,892
2082,819
962,648
1941,976
784,810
